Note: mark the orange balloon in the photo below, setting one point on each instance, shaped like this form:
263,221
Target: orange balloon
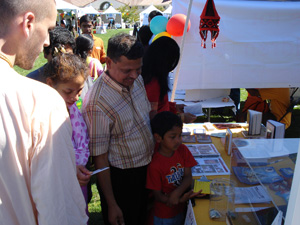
175,25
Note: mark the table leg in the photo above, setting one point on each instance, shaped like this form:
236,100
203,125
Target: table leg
208,114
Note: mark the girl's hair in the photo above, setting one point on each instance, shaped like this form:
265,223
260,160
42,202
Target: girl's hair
65,67
144,35
161,58
84,43
163,122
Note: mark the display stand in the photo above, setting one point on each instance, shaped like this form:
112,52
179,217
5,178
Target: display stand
266,165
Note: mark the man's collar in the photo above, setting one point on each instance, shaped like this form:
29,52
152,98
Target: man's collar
119,87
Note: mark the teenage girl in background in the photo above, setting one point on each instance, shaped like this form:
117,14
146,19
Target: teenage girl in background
84,48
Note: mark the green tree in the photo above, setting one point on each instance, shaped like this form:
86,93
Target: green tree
129,14
161,8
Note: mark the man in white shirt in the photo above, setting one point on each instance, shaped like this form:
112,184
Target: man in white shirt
38,183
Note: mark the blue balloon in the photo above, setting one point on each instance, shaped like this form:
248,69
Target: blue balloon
158,24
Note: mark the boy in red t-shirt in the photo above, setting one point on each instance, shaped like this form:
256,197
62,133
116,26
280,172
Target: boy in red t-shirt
169,174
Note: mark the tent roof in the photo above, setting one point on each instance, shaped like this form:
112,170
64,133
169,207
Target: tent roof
80,3
150,9
145,2
168,10
88,10
154,2
111,10
63,5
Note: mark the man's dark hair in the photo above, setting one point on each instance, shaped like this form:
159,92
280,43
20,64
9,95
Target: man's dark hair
60,36
123,44
154,13
84,43
165,121
85,19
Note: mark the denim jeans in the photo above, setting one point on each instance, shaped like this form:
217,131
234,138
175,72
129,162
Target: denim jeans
176,220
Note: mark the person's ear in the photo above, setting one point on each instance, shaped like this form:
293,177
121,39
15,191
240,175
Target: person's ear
157,138
28,23
108,62
50,82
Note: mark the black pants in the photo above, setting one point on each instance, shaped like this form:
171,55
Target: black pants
130,193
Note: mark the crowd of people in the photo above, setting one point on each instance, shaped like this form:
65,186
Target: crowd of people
125,123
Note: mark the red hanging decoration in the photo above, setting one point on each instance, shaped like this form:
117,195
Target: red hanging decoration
209,21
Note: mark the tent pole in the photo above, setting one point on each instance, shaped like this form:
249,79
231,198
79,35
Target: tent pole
181,51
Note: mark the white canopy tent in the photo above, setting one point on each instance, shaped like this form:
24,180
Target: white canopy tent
88,10
144,14
65,6
168,11
111,12
256,48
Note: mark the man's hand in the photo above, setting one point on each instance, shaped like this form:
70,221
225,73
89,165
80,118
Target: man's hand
179,108
189,118
83,175
115,215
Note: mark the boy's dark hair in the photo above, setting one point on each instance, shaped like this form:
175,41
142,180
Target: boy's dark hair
85,19
123,44
60,36
84,43
165,121
154,13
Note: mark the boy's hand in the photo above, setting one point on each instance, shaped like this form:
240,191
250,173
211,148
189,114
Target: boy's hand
191,194
173,199
198,194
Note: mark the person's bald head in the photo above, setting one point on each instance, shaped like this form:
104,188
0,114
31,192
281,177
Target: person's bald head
10,9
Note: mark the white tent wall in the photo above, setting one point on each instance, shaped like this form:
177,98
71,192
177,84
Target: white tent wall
168,12
258,46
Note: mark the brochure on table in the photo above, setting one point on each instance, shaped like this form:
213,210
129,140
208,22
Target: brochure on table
210,166
209,160
203,150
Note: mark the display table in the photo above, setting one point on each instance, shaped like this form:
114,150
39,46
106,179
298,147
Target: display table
275,154
201,208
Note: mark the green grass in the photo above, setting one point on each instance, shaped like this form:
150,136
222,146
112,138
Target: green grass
95,216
